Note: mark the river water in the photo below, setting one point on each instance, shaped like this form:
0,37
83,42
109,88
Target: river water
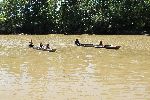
72,72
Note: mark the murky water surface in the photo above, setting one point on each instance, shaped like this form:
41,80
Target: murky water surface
74,73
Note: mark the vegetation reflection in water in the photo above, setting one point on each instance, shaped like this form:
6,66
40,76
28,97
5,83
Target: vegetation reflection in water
74,73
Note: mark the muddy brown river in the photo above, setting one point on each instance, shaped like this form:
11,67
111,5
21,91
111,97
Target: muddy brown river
73,72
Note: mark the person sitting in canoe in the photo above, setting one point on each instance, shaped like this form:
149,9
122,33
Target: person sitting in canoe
31,43
77,42
41,45
48,47
101,43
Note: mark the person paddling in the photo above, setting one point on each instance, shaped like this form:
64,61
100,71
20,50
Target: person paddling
41,45
47,47
31,43
77,42
101,43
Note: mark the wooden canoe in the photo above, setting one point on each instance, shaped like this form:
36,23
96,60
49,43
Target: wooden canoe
49,50
85,45
99,46
113,47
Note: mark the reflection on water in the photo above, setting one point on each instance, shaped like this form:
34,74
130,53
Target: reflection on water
74,73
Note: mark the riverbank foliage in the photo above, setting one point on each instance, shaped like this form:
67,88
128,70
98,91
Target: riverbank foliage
75,16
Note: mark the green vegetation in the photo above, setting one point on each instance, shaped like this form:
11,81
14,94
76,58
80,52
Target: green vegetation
75,16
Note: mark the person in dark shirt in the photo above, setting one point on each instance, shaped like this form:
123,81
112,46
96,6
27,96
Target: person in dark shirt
101,43
31,43
41,45
47,46
77,42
